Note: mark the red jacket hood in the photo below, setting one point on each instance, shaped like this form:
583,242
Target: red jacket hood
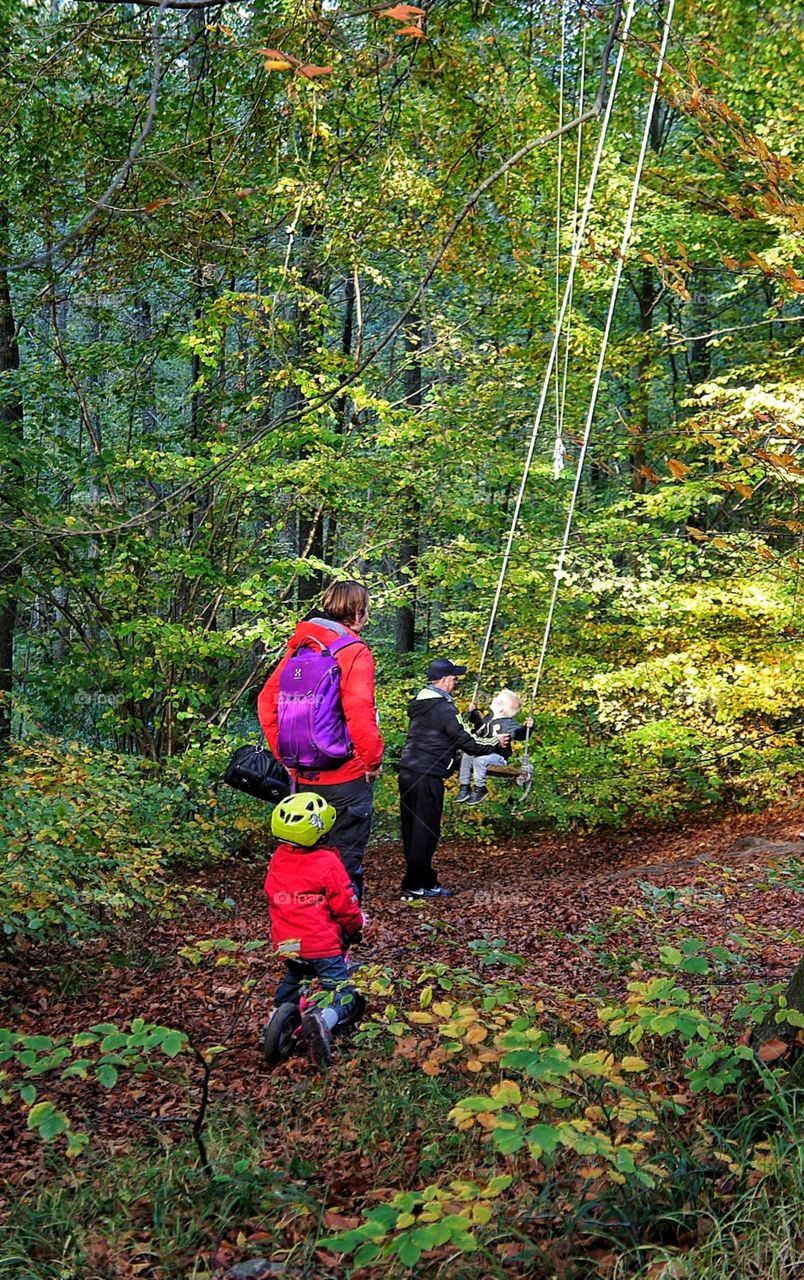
322,630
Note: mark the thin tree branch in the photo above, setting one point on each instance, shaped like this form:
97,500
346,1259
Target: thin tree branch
103,204
313,405
170,4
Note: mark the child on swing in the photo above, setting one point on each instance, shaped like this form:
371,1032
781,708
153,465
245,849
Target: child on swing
501,720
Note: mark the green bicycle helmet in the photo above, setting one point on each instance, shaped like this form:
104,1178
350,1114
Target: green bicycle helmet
303,819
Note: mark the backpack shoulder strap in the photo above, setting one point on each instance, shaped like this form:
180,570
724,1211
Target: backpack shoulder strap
341,642
332,647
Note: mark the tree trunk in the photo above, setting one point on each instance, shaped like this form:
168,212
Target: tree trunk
11,439
700,361
309,523
770,1029
646,297
409,501
341,408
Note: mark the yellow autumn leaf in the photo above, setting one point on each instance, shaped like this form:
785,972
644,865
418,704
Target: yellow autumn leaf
419,1016
486,1119
476,1034
633,1064
507,1092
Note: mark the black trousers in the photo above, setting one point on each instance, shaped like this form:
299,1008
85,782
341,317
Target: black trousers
354,804
421,804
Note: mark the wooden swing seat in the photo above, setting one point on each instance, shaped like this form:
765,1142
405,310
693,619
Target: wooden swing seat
508,770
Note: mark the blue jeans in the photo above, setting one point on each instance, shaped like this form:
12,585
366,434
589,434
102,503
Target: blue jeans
331,973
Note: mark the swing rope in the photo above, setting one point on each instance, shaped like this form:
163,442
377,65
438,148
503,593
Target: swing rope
574,258
559,450
558,447
624,244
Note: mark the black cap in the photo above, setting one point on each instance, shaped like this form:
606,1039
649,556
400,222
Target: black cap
441,667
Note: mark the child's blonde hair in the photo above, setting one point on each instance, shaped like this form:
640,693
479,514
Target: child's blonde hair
505,703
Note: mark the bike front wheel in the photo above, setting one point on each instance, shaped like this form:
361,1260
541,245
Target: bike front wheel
279,1033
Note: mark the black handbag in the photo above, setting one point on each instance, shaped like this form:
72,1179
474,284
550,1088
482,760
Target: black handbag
256,771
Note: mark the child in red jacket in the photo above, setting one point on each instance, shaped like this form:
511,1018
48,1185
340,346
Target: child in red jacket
314,912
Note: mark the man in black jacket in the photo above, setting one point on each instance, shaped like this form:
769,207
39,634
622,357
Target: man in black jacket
435,735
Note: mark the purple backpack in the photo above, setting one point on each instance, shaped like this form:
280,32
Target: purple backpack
312,728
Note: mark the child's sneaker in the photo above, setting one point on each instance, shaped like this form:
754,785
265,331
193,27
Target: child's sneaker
318,1038
438,891
477,796
463,794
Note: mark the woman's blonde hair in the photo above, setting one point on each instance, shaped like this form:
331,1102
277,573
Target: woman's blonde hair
345,601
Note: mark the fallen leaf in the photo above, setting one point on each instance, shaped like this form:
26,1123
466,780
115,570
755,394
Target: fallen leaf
772,1049
335,1221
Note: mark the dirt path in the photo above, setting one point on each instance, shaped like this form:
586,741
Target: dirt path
545,896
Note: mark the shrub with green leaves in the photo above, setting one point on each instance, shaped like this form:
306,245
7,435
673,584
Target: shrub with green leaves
100,1053
414,1222
87,836
618,1109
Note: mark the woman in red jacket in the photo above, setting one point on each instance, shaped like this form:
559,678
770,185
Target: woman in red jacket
349,786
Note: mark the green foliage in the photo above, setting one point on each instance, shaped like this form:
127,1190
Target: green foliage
626,1126
89,836
413,1223
220,419
80,1219
99,1054
660,700
492,951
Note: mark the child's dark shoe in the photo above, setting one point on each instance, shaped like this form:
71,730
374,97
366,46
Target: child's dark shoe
477,796
438,891
318,1038
463,794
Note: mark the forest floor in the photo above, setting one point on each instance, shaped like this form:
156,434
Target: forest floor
578,910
